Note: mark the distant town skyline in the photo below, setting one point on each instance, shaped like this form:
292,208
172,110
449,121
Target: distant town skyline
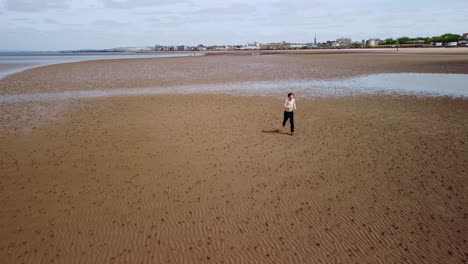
98,24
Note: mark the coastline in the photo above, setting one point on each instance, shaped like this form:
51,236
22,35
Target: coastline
421,51
220,69
31,60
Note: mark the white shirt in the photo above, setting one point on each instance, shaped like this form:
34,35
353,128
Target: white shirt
290,105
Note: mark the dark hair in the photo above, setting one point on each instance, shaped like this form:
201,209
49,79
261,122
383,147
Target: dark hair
289,94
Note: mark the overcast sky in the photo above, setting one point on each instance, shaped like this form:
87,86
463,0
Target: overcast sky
79,24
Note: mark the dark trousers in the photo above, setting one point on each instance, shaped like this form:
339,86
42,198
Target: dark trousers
290,116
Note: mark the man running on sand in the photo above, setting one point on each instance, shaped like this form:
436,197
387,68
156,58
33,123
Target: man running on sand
289,107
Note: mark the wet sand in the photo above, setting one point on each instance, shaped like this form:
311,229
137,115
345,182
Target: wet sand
214,179
10,68
167,72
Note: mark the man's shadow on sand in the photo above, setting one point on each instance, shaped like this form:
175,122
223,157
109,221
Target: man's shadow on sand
276,131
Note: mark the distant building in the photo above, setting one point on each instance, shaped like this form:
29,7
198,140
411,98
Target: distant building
451,44
297,46
218,48
373,42
271,46
417,42
134,49
464,39
313,45
201,47
343,42
250,46
329,43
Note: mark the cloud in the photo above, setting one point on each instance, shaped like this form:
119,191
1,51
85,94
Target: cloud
34,5
285,4
107,23
38,5
51,21
128,4
154,20
207,16
67,24
73,25
234,9
23,19
152,12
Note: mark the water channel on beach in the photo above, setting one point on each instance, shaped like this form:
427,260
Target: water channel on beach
419,84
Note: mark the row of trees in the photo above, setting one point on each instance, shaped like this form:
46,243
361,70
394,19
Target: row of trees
448,37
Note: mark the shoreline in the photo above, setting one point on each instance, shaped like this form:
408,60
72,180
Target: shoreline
420,51
360,51
334,88
15,67
212,70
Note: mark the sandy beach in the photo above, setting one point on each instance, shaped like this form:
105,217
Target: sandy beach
215,179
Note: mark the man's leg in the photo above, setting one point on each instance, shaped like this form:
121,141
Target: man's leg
291,120
285,119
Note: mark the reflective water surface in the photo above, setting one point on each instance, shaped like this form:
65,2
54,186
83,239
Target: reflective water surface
420,84
13,62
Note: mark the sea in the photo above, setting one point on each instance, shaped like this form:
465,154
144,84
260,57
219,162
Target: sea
419,84
14,62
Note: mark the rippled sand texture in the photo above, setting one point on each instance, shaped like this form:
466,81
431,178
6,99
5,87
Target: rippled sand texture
223,69
211,179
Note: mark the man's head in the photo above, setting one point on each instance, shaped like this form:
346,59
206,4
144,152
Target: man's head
290,95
